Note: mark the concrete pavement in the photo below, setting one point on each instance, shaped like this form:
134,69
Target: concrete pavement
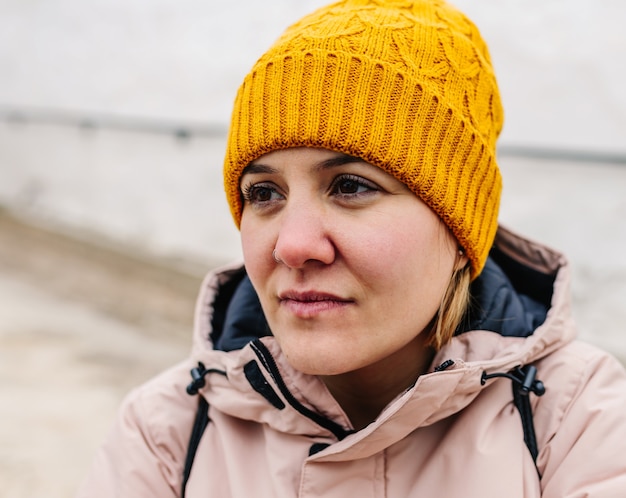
79,327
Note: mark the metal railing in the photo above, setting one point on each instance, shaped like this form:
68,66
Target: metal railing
98,120
185,130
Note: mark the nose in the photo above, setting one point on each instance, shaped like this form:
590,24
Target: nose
304,236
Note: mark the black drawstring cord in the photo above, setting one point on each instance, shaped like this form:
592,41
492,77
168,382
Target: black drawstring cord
201,421
198,375
525,380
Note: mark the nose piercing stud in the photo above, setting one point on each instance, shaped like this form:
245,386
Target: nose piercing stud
276,258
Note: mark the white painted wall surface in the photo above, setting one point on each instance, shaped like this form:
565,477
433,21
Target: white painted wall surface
165,59
151,192
561,64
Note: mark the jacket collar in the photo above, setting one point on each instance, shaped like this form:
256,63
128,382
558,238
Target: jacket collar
542,324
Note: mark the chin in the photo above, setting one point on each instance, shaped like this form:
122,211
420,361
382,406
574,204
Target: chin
318,363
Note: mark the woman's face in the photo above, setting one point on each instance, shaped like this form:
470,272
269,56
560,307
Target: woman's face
363,262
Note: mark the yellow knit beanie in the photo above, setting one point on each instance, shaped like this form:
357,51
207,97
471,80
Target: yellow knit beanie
405,85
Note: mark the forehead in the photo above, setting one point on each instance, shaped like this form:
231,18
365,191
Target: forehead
317,158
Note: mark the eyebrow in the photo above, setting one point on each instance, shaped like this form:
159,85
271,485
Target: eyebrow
332,162
339,160
257,168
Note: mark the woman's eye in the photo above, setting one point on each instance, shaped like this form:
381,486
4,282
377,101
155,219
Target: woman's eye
352,185
259,193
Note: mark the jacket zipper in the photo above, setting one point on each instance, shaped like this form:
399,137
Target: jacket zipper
267,360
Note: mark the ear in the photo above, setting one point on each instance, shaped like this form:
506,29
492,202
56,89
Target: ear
461,260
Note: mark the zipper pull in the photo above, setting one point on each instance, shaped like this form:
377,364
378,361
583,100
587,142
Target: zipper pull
444,366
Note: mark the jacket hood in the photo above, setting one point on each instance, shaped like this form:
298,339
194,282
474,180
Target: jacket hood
520,313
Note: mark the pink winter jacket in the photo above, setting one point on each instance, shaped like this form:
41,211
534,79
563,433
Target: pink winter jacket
276,433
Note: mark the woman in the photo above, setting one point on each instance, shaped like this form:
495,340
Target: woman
365,348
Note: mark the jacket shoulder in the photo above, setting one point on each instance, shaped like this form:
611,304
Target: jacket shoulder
580,415
162,404
144,453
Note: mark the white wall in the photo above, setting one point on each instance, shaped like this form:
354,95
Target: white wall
166,59
149,192
561,66
561,63
171,63
175,63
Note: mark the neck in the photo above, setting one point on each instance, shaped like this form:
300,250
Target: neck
363,394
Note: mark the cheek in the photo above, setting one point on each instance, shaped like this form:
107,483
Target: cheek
248,247
390,249
409,257
256,247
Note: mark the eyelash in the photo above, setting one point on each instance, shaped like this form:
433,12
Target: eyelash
358,181
250,191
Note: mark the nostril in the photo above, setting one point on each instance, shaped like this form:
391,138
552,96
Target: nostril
304,251
302,237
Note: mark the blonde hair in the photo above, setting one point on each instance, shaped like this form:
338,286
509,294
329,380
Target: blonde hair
454,306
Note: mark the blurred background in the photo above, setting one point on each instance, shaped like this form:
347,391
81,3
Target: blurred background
113,116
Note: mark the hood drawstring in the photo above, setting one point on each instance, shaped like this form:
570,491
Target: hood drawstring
202,419
524,380
198,375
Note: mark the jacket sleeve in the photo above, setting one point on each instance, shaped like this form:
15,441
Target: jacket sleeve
585,454
143,455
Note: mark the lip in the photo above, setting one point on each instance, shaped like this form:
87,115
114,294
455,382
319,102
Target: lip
309,304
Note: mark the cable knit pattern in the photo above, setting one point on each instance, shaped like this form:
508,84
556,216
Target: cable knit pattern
405,85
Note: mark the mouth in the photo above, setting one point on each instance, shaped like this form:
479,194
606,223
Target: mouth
311,304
